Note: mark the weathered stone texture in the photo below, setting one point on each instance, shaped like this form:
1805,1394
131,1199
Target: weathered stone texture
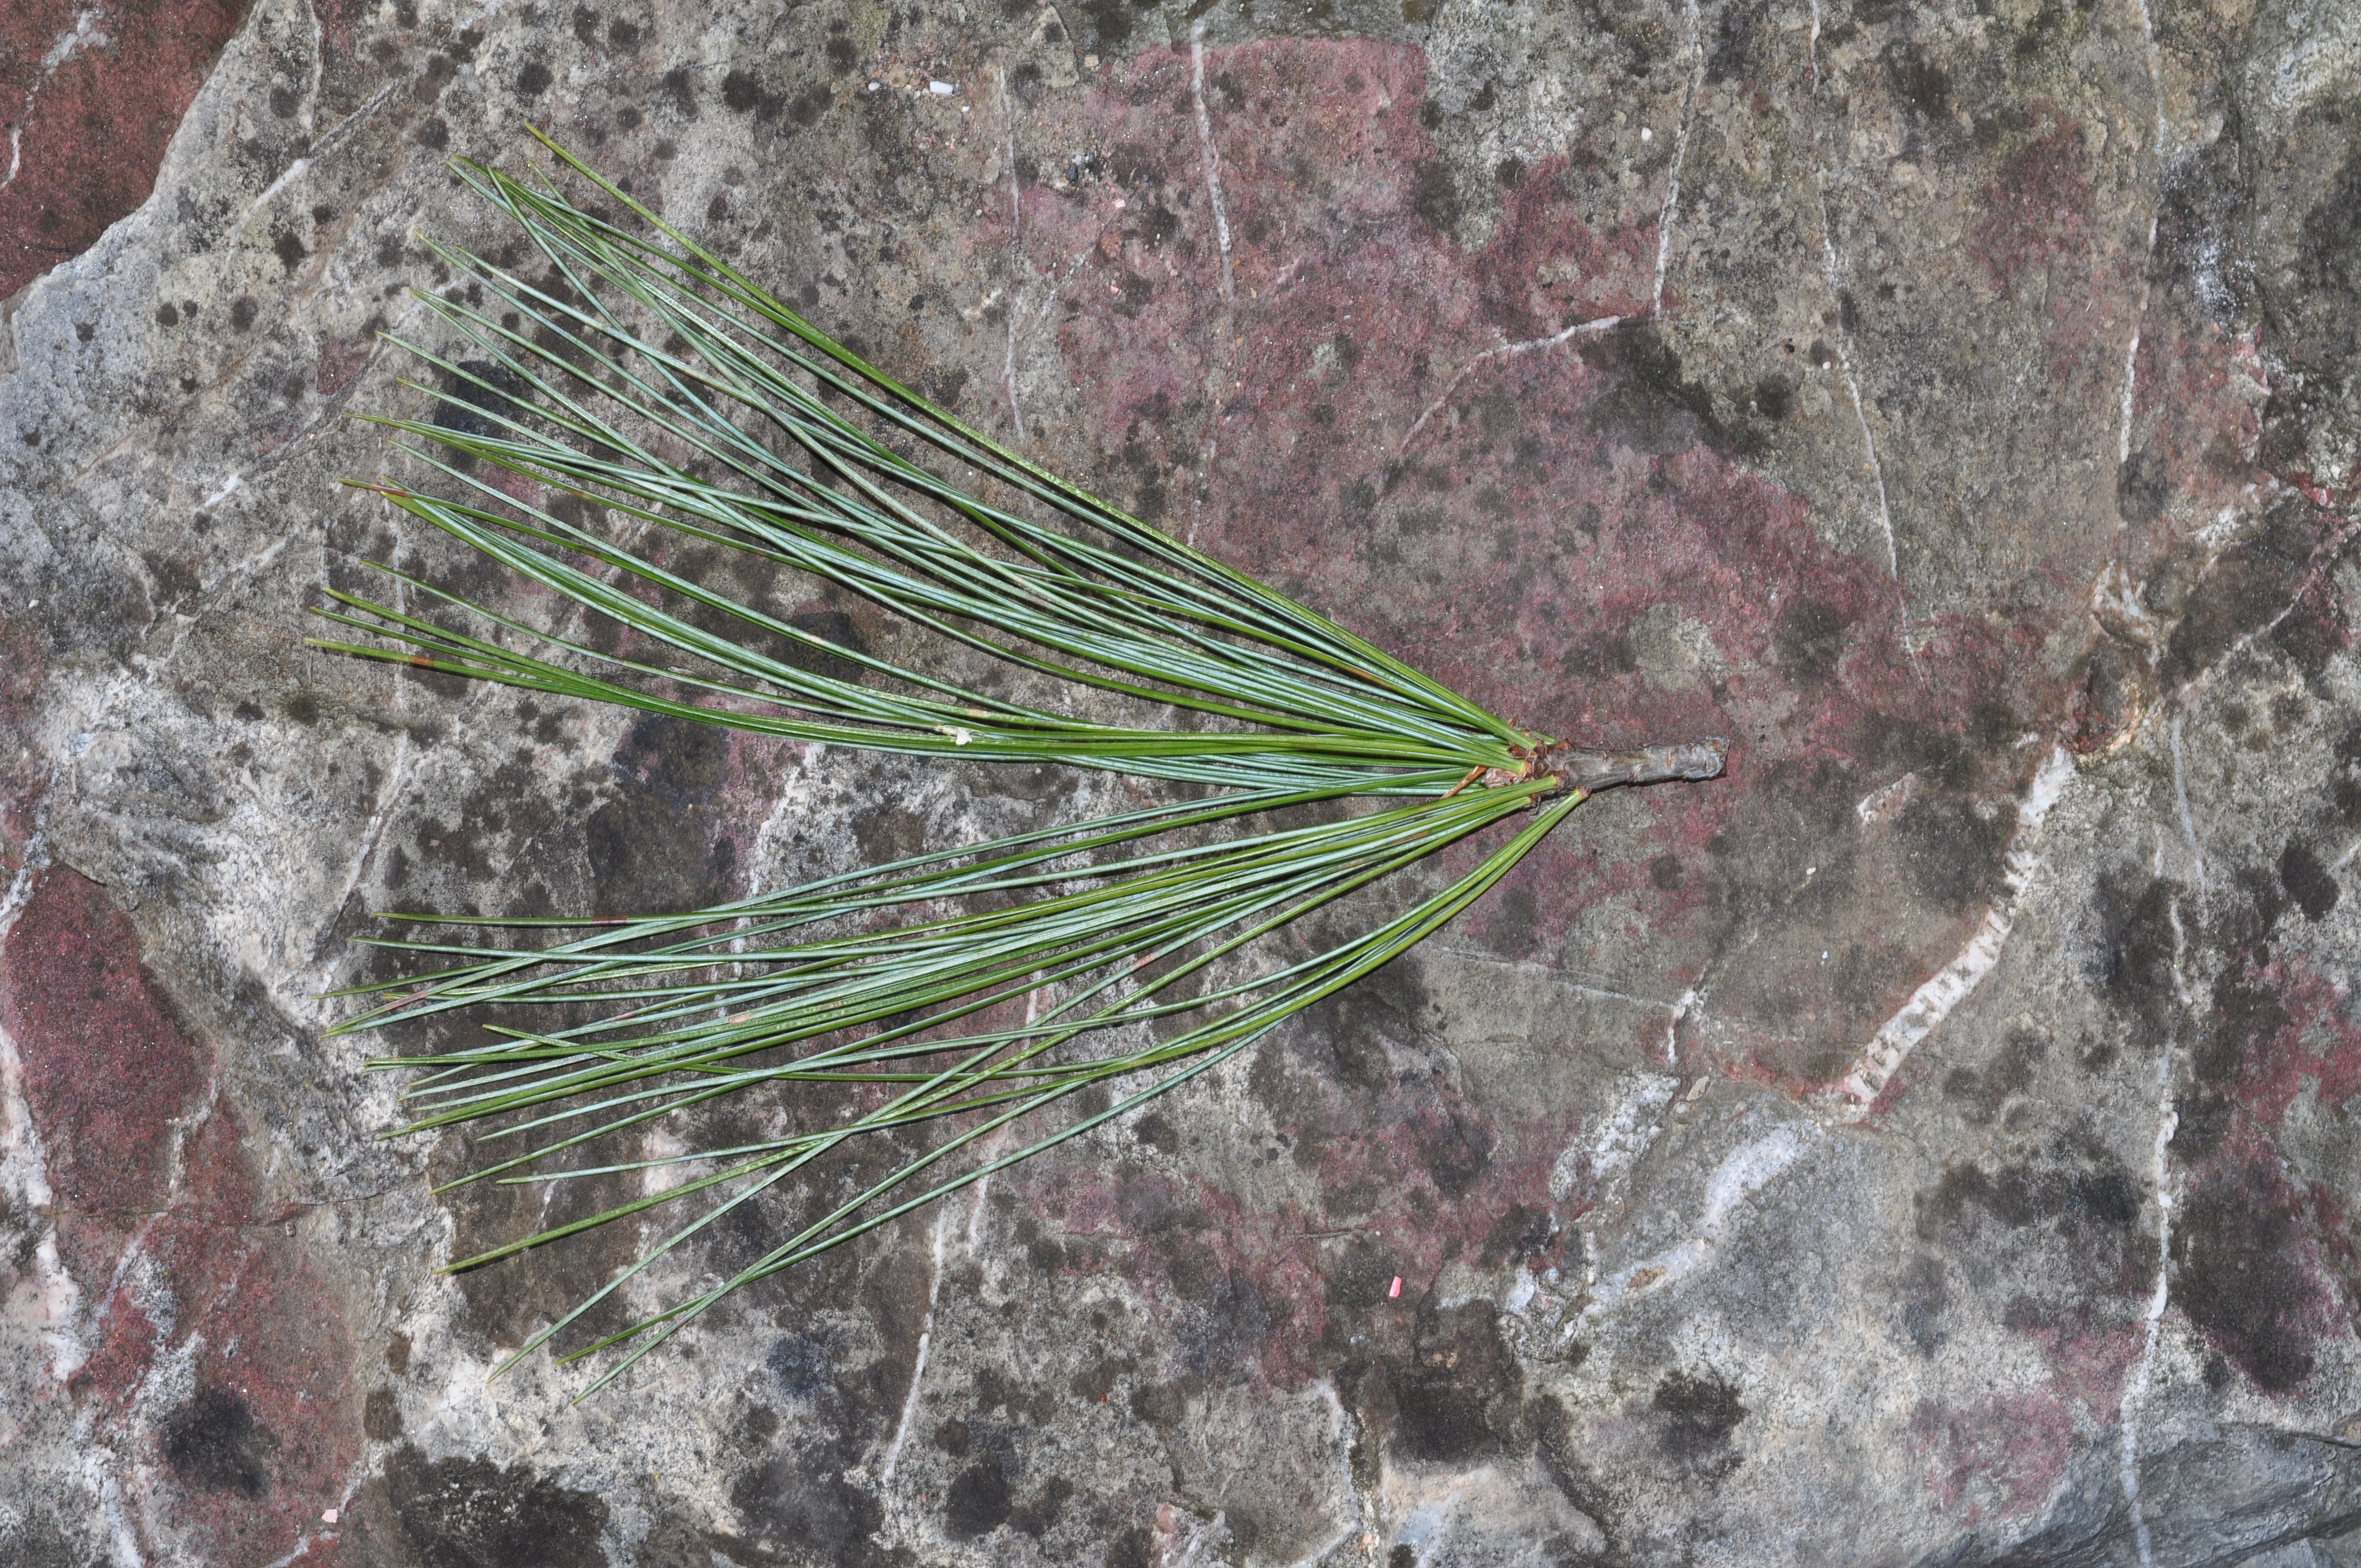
1935,1143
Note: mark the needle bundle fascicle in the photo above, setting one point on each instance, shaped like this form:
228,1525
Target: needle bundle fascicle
650,398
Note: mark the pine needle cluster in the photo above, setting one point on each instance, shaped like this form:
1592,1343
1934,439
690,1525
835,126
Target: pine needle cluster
642,400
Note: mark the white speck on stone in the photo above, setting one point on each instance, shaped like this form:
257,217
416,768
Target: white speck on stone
942,89
1647,135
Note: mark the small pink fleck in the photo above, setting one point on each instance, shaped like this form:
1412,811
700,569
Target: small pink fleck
327,1516
1395,1294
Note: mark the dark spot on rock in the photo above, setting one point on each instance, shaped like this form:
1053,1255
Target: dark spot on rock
1133,1548
1943,1214
1698,1414
2010,1071
1808,642
837,630
2238,1276
1434,196
284,102
951,1437
474,401
2201,1121
242,314
533,80
1936,753
2136,943
2108,1198
1226,1320
647,845
1459,1397
1038,1514
1156,1132
1403,1555
2250,585
978,1502
1347,1034
1774,395
2249,1017
381,1416
2141,488
1456,1151
1924,1294
1951,855
1521,1230
1595,655
1918,81
798,1364
1651,406
435,135
2113,689
801,1498
1515,925
1165,1404
841,56
214,1442
2308,882
167,315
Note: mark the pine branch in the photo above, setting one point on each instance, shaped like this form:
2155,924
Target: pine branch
953,993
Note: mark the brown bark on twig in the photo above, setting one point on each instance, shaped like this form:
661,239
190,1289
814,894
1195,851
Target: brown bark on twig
1591,772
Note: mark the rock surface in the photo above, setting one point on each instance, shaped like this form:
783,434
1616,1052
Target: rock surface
1935,1143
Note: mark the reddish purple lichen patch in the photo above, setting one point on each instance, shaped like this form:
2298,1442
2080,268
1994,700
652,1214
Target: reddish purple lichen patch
1280,1290
2037,210
2089,1346
91,96
109,1073
2284,1031
157,1218
270,1437
2198,393
2003,1454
